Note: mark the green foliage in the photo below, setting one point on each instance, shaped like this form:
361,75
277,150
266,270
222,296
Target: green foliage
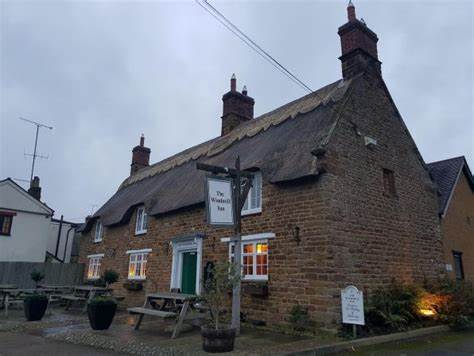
224,276
37,277
102,301
300,319
36,297
394,308
110,276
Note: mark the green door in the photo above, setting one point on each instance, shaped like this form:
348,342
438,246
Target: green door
188,277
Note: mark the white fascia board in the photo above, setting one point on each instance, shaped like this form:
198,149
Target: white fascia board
262,236
145,250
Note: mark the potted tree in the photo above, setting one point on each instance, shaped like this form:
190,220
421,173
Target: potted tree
35,304
101,310
217,336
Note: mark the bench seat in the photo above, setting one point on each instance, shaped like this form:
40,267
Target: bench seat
153,312
72,297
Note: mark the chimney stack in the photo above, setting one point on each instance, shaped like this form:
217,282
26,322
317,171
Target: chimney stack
35,189
140,156
359,47
238,107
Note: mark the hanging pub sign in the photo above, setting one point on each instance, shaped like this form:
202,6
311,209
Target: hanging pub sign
352,302
219,201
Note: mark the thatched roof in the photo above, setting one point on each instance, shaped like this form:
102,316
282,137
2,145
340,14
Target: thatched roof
278,143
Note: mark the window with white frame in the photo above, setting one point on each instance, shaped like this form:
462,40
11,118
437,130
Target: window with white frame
253,203
142,221
94,266
99,231
137,265
254,259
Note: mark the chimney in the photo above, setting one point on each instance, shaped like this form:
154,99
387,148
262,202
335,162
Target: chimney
35,189
359,47
140,156
238,107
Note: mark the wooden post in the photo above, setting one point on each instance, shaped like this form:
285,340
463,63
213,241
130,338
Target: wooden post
354,331
237,249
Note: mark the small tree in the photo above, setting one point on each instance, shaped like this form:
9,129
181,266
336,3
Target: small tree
109,277
37,277
223,278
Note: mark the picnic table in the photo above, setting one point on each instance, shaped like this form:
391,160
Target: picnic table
83,294
173,305
13,295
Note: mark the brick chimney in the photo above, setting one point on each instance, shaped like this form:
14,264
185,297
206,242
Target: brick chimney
140,156
238,107
359,47
35,189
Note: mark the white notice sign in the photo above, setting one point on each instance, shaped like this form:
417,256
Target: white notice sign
352,302
220,210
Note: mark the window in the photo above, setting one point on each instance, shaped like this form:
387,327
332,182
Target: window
458,267
99,230
94,266
6,219
142,221
137,266
254,259
389,183
253,203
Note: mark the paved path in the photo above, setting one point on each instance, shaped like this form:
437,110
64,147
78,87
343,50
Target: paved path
24,344
446,344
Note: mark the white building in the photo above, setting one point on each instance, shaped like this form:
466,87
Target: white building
28,231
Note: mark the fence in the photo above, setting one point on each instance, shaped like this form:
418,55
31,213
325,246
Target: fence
18,273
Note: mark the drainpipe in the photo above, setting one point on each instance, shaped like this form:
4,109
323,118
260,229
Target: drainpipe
59,236
67,239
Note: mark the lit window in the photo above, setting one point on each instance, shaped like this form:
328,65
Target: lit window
253,203
99,231
458,267
94,267
6,219
254,259
142,221
389,183
137,266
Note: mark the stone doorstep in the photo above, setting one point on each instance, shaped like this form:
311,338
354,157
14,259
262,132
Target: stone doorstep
368,341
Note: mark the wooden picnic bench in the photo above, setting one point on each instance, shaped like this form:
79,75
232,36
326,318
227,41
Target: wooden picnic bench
82,294
181,310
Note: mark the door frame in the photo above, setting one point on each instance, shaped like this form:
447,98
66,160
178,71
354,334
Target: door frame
180,246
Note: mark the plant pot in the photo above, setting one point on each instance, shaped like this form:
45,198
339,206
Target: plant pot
35,307
221,340
133,286
101,314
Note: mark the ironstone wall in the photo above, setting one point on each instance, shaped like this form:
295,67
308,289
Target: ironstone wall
18,273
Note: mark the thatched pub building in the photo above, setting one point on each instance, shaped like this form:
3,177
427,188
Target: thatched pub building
341,195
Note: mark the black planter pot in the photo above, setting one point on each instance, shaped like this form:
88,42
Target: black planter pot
217,340
35,307
101,315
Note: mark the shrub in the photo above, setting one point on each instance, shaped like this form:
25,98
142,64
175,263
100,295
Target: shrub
36,297
110,276
300,319
394,308
37,277
102,301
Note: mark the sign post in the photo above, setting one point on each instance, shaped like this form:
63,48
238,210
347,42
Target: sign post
225,198
352,302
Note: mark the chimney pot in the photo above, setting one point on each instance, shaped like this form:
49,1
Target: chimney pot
244,90
351,12
233,83
142,140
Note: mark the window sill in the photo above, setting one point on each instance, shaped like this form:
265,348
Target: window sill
139,233
137,279
255,279
251,212
93,278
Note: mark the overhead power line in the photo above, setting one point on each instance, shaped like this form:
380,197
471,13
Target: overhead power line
251,43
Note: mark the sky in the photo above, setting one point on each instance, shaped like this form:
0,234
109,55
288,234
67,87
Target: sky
104,72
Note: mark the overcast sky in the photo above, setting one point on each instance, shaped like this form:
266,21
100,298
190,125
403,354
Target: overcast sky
104,72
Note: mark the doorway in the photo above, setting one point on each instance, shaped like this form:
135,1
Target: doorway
188,270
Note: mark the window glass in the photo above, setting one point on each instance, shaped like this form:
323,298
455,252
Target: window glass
142,221
5,224
137,266
254,259
458,267
98,231
253,203
94,267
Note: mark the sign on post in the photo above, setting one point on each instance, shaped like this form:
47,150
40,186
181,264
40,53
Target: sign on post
352,301
219,202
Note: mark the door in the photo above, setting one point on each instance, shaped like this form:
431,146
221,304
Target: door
188,277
